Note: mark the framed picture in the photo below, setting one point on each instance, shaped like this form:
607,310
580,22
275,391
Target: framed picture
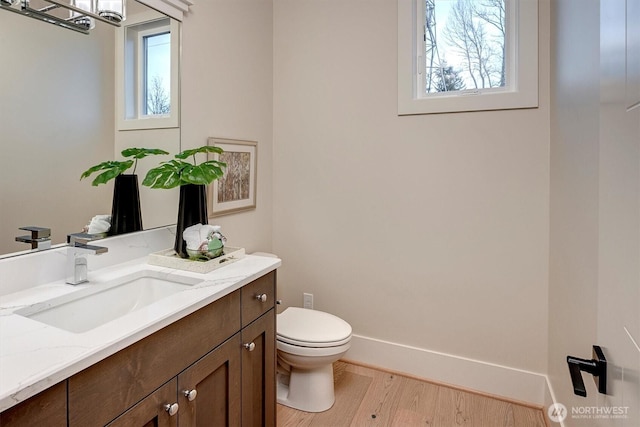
236,190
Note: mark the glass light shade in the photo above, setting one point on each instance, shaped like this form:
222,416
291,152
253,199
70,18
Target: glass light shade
85,21
113,10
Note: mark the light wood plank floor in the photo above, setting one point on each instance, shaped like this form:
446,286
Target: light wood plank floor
369,397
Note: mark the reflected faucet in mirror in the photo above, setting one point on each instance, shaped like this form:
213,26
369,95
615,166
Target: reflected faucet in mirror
39,239
76,256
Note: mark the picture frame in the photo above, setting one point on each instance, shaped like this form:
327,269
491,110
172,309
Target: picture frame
236,190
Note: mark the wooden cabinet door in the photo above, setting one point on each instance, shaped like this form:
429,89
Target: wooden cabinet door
46,408
259,372
151,411
216,381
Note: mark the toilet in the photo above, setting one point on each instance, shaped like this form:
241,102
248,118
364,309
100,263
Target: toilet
308,342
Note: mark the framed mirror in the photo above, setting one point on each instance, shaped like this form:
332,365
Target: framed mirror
57,119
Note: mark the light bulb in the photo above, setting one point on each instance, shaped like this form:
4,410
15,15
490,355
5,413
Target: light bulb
113,10
84,21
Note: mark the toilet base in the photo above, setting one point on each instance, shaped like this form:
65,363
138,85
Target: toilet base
309,390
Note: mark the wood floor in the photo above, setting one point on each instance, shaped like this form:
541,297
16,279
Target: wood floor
369,397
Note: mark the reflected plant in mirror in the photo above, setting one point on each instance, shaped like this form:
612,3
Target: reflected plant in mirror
126,215
114,168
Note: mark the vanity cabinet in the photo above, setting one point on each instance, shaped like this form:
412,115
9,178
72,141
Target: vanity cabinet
46,408
107,389
214,367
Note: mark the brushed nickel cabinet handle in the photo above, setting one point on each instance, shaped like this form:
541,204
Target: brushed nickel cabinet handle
171,409
190,394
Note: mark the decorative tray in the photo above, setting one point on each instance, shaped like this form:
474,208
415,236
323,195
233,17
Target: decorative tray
169,258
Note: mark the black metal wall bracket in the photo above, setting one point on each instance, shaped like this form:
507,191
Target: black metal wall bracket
596,367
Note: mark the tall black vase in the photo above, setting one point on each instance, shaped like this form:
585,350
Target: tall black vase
125,210
192,209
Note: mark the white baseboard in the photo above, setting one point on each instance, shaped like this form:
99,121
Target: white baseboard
503,381
550,399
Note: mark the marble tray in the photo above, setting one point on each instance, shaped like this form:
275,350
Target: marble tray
168,258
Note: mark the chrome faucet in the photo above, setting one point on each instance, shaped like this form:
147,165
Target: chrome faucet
39,239
76,256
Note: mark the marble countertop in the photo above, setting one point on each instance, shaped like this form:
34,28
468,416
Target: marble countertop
35,356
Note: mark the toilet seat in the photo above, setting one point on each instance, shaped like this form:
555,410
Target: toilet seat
313,344
312,328
313,352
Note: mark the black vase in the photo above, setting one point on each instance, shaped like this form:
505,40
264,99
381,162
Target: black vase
125,210
192,209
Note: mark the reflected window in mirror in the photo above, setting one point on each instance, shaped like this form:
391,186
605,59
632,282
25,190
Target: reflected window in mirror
155,96
147,74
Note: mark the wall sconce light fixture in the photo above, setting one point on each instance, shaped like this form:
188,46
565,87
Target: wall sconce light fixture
81,15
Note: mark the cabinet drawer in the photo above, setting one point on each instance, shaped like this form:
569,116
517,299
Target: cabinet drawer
253,295
105,390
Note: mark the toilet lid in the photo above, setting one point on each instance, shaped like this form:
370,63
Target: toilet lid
312,328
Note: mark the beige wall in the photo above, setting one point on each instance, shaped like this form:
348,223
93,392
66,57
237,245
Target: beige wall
227,92
431,230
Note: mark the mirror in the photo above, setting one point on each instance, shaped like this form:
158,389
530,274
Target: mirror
57,118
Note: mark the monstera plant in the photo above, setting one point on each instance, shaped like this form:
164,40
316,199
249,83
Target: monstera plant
192,178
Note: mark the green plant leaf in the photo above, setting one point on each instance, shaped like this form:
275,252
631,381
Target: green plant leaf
179,172
111,170
166,176
93,169
204,173
140,153
204,149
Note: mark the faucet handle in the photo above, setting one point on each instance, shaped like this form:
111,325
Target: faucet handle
81,238
37,232
40,237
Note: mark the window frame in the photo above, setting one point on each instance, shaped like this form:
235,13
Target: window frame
522,91
130,74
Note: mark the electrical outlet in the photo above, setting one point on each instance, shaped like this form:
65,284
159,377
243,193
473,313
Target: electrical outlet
308,300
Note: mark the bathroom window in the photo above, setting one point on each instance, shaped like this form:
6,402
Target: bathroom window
467,55
147,78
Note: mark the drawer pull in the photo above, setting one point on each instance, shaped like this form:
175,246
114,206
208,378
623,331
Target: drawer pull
261,297
250,346
171,409
190,394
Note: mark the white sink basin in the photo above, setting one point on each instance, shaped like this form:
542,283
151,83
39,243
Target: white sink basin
96,305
